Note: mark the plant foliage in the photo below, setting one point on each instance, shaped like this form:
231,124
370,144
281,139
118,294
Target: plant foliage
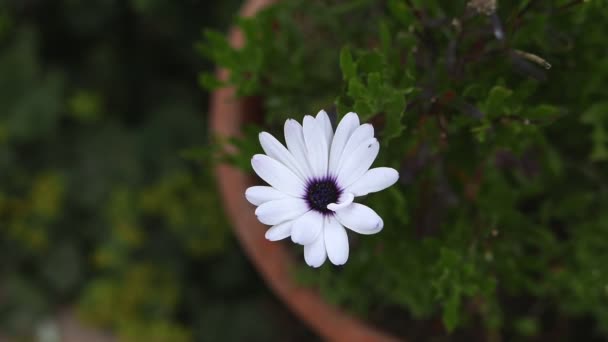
498,124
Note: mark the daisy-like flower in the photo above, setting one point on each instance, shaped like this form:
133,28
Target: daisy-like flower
313,182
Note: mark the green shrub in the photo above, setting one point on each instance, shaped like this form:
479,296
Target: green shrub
497,123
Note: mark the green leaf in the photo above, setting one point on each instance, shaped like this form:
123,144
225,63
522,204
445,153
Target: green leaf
209,81
395,109
356,89
363,109
215,46
400,10
372,61
349,69
451,312
597,117
496,101
398,203
596,114
375,86
543,112
481,131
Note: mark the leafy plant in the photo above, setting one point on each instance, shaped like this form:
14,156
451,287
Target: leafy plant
494,113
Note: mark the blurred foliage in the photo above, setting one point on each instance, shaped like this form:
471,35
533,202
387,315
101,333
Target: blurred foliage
97,206
499,126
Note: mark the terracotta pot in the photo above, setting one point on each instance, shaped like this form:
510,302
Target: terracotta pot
272,259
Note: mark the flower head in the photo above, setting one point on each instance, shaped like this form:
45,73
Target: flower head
313,182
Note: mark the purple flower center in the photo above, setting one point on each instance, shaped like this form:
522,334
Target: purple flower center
321,192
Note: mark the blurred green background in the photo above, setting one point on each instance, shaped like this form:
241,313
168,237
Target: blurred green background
499,233
98,209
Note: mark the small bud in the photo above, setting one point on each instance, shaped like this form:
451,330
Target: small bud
533,58
486,7
457,25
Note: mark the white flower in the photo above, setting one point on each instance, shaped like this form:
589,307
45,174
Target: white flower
313,183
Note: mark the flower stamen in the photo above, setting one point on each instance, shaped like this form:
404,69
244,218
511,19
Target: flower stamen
322,192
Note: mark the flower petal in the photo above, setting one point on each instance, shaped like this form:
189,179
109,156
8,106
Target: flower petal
345,129
374,180
294,139
259,194
307,228
325,124
316,146
279,231
360,135
360,218
344,200
277,175
358,162
315,253
275,150
279,211
336,241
